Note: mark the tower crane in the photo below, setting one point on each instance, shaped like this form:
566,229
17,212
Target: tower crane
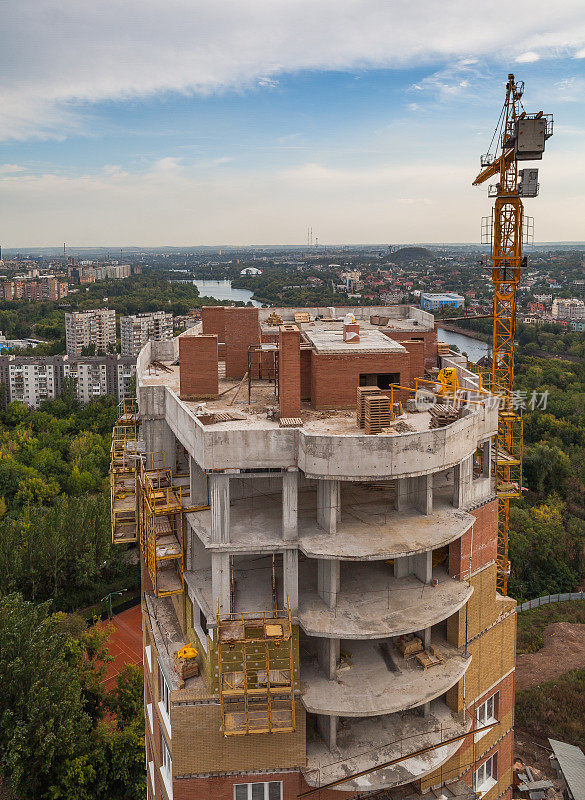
518,137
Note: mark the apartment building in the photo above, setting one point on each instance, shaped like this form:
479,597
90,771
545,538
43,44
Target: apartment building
568,310
31,380
136,330
85,328
333,566
46,288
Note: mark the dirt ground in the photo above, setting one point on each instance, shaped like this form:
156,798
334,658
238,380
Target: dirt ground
563,650
535,753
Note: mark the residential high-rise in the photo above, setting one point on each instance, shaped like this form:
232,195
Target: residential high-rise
85,328
325,537
136,330
32,379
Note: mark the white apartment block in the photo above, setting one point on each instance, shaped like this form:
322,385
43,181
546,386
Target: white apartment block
32,382
136,330
568,309
95,327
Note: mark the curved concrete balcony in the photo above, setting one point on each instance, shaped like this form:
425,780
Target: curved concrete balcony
371,532
373,604
366,743
379,681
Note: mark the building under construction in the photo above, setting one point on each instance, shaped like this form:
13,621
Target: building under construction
318,523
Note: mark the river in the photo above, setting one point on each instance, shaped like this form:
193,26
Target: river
222,290
474,348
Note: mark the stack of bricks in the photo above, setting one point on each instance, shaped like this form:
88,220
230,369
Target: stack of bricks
198,367
289,371
242,329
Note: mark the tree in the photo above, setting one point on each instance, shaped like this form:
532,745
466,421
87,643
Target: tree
43,722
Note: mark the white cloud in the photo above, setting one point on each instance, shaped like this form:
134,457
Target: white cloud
179,204
58,57
528,58
9,169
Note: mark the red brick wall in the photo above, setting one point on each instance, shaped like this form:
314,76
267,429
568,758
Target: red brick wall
222,788
305,374
429,338
335,378
213,319
485,542
198,367
289,370
417,358
242,329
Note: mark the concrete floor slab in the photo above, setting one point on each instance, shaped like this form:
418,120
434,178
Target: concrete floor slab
369,687
366,743
373,604
369,529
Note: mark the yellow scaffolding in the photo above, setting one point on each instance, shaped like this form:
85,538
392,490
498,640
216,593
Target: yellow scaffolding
161,529
123,463
256,672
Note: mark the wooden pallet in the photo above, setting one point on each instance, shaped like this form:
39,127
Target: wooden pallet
443,415
378,413
362,393
290,422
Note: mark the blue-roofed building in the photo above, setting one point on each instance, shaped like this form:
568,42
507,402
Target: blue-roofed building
434,302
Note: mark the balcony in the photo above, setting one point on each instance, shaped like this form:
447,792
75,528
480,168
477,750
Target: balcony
366,743
373,604
374,678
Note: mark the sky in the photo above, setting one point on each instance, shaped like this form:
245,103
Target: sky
189,122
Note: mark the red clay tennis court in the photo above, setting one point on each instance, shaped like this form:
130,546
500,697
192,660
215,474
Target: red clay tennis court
125,643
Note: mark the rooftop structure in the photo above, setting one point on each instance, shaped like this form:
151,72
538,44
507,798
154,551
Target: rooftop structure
434,302
328,546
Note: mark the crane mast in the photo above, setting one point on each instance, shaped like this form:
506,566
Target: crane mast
518,137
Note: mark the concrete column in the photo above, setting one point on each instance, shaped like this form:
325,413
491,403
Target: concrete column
328,729
220,581
423,494
328,654
219,497
290,504
159,438
328,580
486,465
403,566
425,637
401,501
462,480
197,484
290,568
327,505
423,566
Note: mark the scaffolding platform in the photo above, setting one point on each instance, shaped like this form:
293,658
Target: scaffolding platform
256,675
161,506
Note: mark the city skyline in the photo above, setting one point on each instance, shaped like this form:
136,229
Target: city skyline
184,125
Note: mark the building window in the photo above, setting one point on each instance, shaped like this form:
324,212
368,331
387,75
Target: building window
149,714
485,776
268,790
148,651
166,769
485,714
165,700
